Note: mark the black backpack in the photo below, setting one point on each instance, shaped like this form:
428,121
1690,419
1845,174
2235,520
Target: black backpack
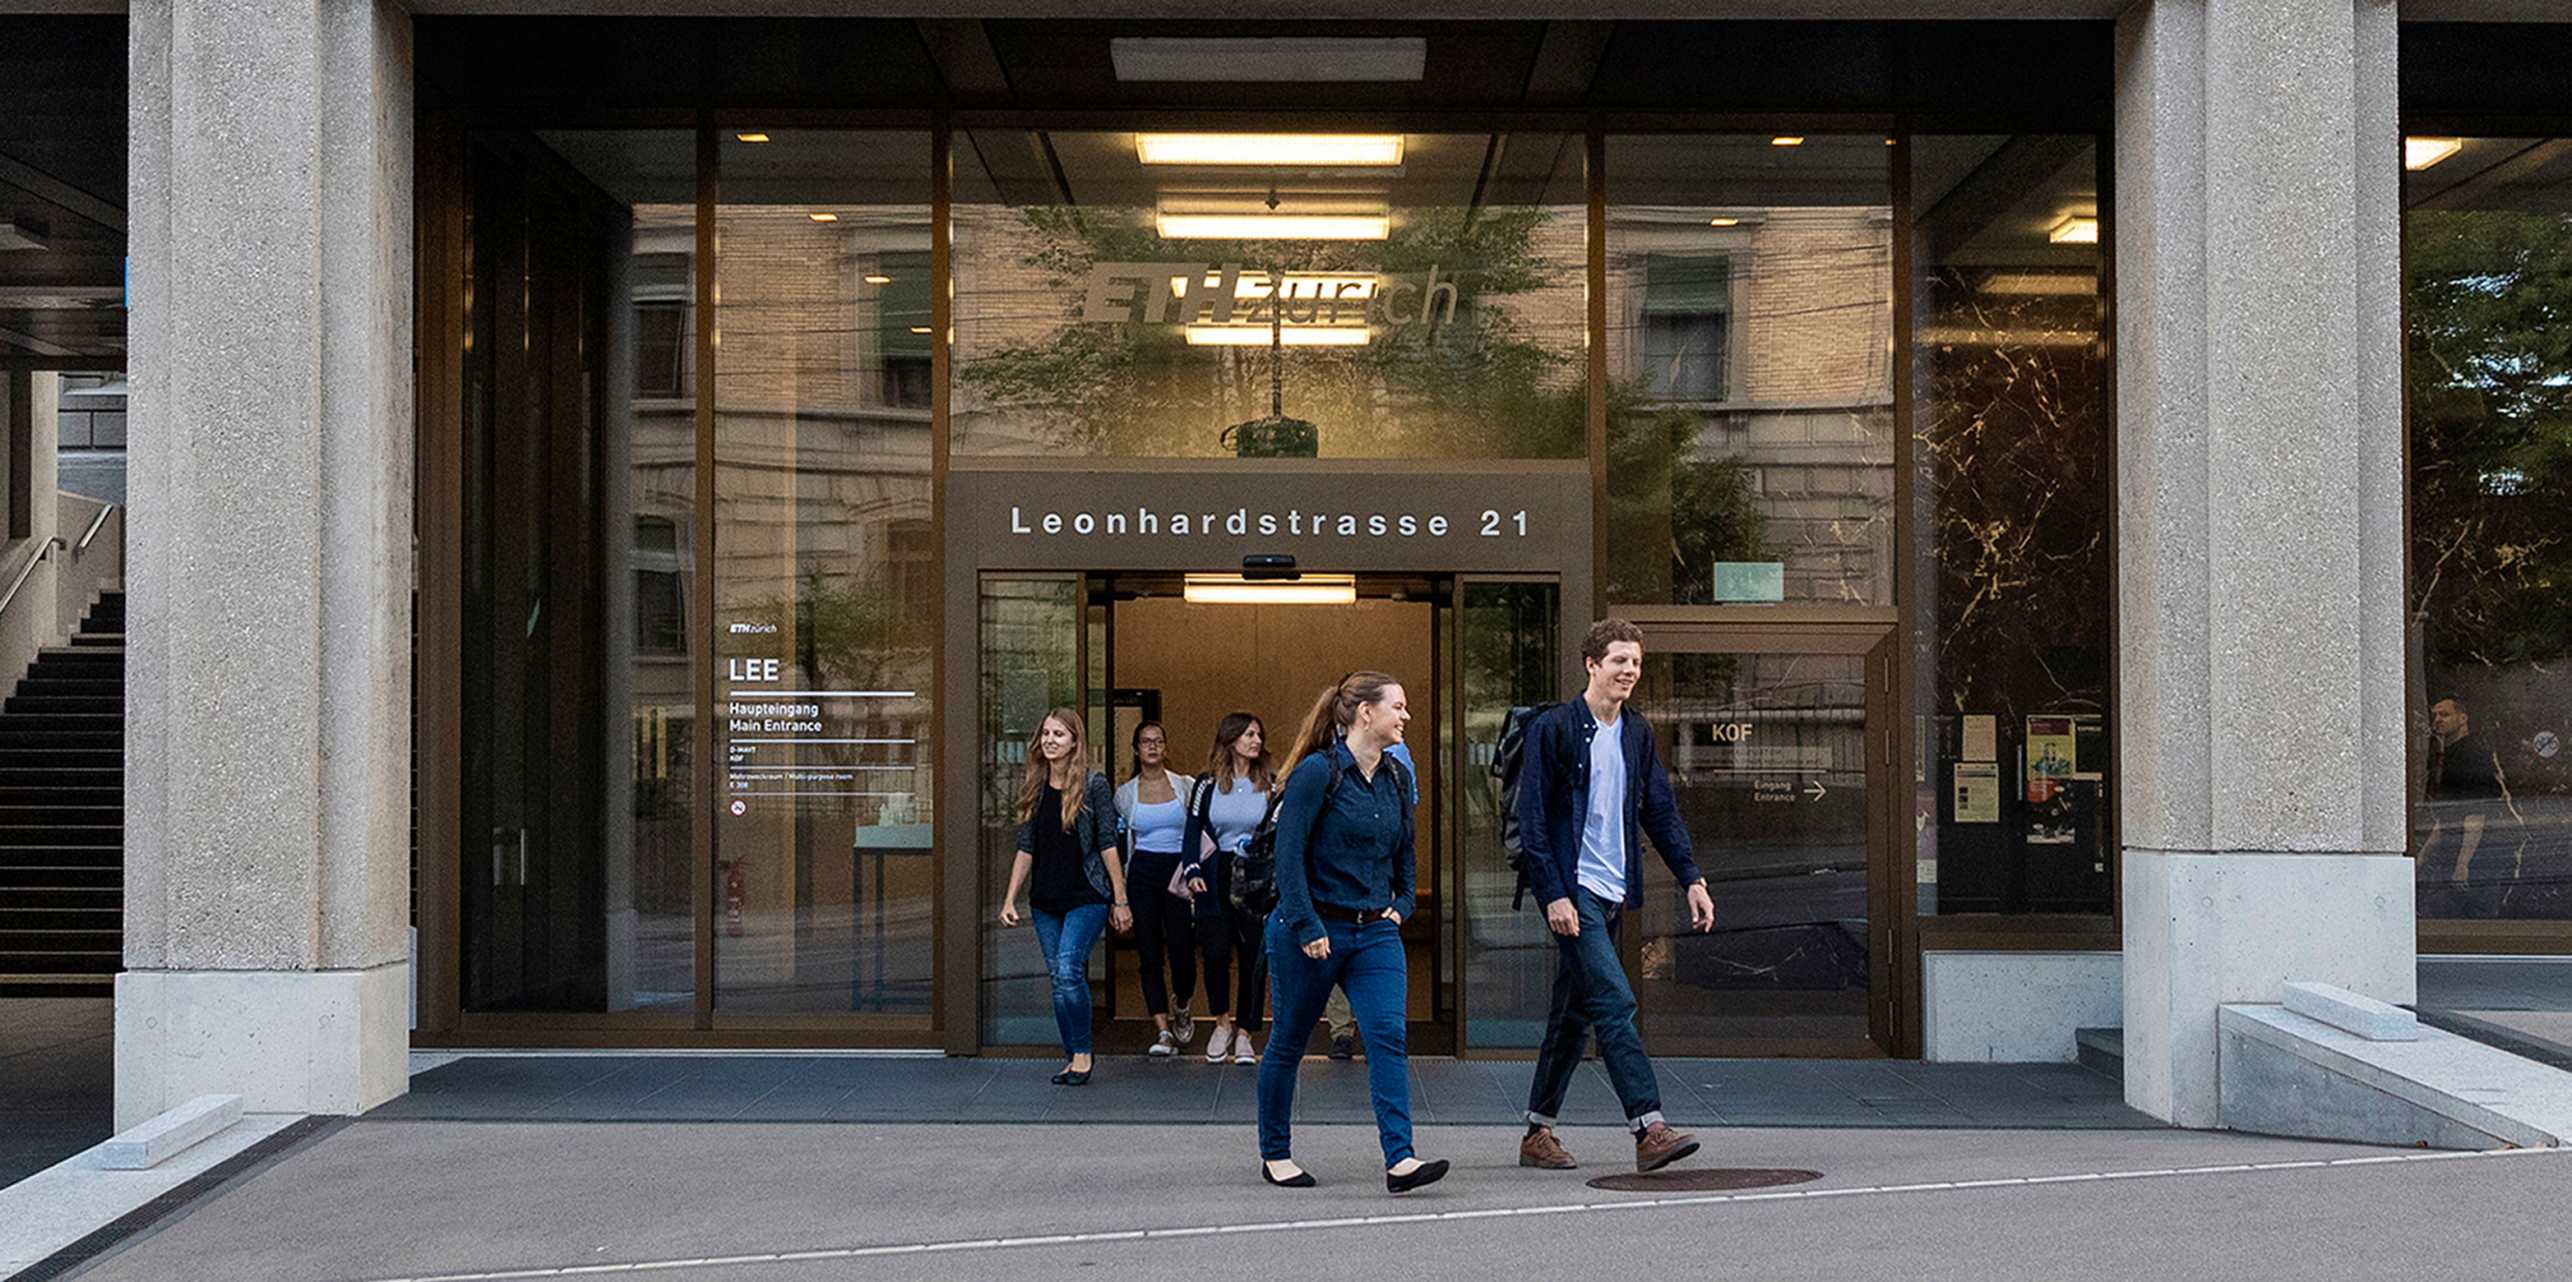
1506,759
1254,870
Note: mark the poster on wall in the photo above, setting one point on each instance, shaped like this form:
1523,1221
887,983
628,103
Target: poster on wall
1977,792
2052,756
1982,738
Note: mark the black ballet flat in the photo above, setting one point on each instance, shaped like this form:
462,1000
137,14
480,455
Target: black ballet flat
1063,1077
1302,1179
1079,1078
1427,1173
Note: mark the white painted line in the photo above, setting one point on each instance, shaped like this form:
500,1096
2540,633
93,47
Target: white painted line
1432,1217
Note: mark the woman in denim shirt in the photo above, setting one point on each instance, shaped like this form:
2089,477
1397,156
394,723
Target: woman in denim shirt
1344,886
1067,841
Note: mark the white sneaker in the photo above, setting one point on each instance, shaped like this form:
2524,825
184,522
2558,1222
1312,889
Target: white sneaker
1163,1046
1242,1051
1218,1045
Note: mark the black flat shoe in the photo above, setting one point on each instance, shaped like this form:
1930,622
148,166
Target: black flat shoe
1062,1077
1079,1078
1300,1180
1425,1174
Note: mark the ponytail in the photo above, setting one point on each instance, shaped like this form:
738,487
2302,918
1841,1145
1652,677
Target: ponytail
1334,710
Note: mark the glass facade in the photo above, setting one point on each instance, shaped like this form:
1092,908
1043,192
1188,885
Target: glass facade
1115,303
2488,254
825,576
1750,370
1859,383
2012,518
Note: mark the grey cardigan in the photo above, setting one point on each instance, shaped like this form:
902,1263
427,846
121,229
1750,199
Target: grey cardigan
1096,827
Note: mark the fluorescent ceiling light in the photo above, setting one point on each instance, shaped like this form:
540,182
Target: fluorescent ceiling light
1232,589
1300,286
2038,283
1787,140
752,136
2075,229
1269,59
2421,153
1273,226
919,329
1285,335
1294,150
823,218
1723,222
876,278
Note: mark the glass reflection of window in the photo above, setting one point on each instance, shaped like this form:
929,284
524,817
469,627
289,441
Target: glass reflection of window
660,601
2488,278
1687,318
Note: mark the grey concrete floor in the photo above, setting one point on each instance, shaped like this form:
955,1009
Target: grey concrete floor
57,1080
382,1200
1130,1088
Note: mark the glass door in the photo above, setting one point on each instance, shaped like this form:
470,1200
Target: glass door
1509,654
1033,660
1776,742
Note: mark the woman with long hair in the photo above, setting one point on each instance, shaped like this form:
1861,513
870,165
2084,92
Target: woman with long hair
1153,808
1344,887
1067,845
1232,801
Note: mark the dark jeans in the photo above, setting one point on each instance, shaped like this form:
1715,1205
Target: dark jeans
1591,996
1161,931
1067,938
1228,936
1367,963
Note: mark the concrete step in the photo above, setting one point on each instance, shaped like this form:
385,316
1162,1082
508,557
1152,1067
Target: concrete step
2286,1073
2101,1050
57,985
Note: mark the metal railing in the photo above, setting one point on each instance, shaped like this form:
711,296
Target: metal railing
96,524
43,550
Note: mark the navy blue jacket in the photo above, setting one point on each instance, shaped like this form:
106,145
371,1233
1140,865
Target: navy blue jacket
1554,796
1355,855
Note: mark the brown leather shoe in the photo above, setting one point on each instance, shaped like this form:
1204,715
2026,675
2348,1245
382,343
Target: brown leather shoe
1658,1146
1542,1151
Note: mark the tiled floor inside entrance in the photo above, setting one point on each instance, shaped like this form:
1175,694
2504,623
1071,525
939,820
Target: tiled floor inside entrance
836,1088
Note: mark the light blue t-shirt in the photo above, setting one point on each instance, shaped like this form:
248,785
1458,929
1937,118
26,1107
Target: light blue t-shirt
1402,752
1158,829
1602,866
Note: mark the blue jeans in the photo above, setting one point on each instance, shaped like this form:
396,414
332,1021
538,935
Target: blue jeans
1591,996
1366,962
1067,938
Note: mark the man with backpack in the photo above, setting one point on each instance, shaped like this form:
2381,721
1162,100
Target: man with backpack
1588,783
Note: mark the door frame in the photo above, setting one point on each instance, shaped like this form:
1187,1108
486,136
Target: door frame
1871,632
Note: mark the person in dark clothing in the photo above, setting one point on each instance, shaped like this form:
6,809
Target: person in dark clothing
1591,782
1067,846
2467,795
1344,887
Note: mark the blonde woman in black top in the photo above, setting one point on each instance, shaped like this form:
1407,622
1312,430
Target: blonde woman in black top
1067,847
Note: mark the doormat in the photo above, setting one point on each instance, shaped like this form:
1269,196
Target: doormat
1703,1180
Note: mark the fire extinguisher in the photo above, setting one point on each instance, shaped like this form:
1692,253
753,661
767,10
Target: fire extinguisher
732,893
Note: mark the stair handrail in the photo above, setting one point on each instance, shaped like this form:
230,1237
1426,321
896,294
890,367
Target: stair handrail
43,550
95,524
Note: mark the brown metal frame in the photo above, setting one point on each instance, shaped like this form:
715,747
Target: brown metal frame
957,950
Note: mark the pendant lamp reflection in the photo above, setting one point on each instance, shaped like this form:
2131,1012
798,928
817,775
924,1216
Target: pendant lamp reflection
1275,436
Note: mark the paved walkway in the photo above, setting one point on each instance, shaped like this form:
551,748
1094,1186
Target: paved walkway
815,1088
728,1202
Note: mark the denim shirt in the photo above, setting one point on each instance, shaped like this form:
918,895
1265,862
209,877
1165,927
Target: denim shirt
1356,854
1096,827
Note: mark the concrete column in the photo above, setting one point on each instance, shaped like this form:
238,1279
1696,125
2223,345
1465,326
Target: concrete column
2260,520
270,566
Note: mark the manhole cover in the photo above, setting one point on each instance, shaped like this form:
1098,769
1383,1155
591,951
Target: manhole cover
1703,1180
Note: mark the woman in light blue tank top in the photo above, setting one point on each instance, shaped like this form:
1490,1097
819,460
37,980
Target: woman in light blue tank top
1154,805
1232,801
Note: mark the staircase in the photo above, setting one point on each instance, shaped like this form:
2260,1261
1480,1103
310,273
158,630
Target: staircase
62,815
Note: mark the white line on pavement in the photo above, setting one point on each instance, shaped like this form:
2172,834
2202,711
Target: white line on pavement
1428,1217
